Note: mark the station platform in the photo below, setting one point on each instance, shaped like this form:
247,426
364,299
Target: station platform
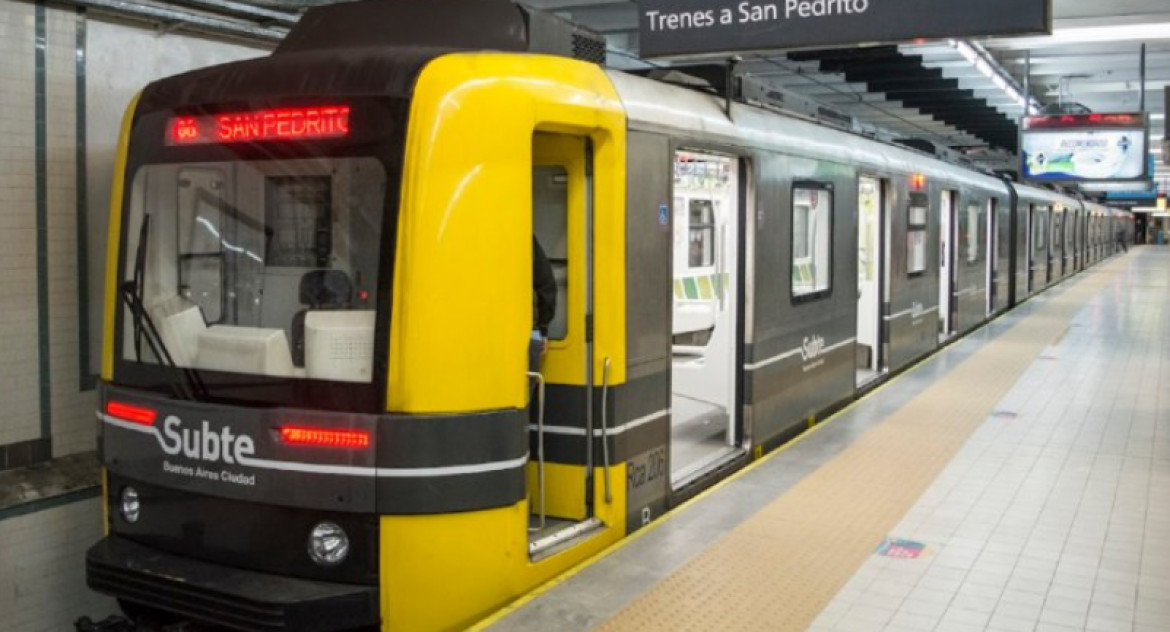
1017,480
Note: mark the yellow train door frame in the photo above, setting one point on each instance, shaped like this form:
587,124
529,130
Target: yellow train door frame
462,315
561,491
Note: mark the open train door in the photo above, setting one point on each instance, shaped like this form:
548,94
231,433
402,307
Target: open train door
561,478
946,276
708,190
872,279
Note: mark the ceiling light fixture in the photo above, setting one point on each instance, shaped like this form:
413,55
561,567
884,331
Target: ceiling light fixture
1062,36
1116,33
987,66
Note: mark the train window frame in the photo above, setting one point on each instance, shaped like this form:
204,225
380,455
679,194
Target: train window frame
817,293
919,226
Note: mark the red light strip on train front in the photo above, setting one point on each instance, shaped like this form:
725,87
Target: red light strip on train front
324,438
310,123
132,413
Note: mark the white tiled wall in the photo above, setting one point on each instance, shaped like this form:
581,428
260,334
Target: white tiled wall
20,411
42,571
72,409
120,61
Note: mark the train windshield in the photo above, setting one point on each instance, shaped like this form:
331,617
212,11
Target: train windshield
240,260
266,267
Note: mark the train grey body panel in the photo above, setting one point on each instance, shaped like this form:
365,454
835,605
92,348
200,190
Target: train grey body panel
799,357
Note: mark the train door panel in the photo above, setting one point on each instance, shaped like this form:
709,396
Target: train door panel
872,273
1060,240
1031,249
1053,231
1040,253
1076,240
967,304
992,252
707,197
1084,239
1005,269
946,277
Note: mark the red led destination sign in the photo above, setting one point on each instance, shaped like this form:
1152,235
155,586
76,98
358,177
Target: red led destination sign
1085,121
311,123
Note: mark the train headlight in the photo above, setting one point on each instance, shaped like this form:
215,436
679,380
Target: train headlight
129,505
328,544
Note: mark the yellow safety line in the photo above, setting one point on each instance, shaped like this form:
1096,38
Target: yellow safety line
771,539
617,546
515,605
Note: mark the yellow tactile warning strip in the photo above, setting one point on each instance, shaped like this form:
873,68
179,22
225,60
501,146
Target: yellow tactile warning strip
778,570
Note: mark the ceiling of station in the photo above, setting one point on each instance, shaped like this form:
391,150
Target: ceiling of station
931,91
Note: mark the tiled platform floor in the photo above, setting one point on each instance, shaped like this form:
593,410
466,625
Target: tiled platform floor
1055,515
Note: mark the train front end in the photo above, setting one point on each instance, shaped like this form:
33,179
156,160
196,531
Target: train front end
245,364
314,409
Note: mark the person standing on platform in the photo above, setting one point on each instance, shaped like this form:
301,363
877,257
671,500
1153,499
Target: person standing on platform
1121,239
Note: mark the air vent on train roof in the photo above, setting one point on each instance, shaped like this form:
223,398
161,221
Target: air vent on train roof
444,24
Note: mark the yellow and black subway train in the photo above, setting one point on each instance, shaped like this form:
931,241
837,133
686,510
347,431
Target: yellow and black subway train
317,411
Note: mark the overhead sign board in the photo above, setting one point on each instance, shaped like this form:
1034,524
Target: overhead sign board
684,28
1084,147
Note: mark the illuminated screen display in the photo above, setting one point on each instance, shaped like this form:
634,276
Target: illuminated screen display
309,123
1090,147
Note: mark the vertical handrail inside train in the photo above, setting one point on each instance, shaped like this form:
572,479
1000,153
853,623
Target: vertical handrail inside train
539,379
605,428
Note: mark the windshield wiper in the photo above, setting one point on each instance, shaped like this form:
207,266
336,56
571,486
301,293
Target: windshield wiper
185,382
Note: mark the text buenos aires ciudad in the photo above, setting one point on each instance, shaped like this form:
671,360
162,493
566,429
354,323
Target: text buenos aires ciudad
204,444
753,13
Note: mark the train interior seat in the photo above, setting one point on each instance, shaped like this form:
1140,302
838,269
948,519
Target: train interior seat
245,349
339,345
179,323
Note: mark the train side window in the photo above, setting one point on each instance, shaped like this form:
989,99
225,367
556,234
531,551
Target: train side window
812,229
973,229
917,215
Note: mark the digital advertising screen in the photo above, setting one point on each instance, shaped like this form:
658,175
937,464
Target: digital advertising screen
1093,147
